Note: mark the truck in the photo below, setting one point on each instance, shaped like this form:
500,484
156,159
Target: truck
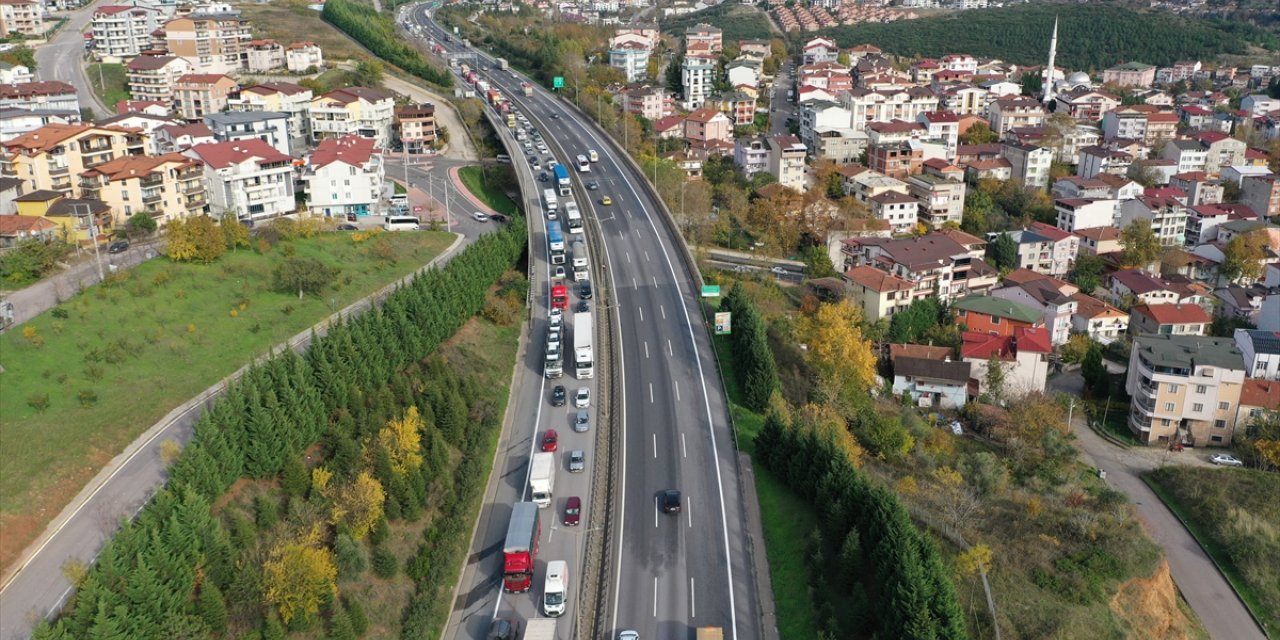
520,550
526,88
580,262
559,296
466,70
555,589
482,86
511,119
583,354
501,62
542,478
550,202
540,629
562,179
555,238
704,633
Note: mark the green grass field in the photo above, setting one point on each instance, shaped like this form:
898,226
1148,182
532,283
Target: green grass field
79,388
482,186
109,83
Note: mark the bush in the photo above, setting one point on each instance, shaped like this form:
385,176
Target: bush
350,557
30,261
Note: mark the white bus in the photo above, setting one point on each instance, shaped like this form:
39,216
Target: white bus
573,217
402,223
584,165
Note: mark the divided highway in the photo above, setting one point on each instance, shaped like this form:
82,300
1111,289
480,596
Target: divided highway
670,573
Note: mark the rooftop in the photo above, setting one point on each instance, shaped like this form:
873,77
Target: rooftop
999,307
1182,352
1263,341
1174,313
956,372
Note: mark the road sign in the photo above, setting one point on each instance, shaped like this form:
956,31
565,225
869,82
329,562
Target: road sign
723,322
557,82
711,291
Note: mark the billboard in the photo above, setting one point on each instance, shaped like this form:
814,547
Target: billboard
723,322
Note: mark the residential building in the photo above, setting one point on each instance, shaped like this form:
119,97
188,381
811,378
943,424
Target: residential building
123,31
945,264
1184,389
867,106
995,316
1259,104
1130,74
153,78
1051,297
271,127
1097,319
705,125
1008,113
344,177
1046,249
1221,150
1257,396
1122,187
878,294
280,97
941,199
651,103
1029,164
1142,288
1199,187
302,57
70,215
704,35
199,94
751,154
15,229
416,127
248,179
743,73
1261,352
932,383
1188,155
49,98
1168,217
1262,194
1023,357
1241,302
15,122
262,56
49,158
167,187
15,73
786,161
820,50
353,111
174,138
840,146
1098,241
21,17
697,76
1127,122
820,115
1169,319
863,183
669,128
214,43
1085,104
944,127
739,106
897,160
1096,161
632,58
898,209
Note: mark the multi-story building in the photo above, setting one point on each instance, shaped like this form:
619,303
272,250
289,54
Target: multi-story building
944,127
1175,319
153,78
941,199
1221,150
1184,389
344,177
704,35
1098,240
416,127
1262,194
200,94
697,76
1168,217
1127,122
821,115
866,106
248,179
1024,357
357,111
11,73
1050,296
271,127
1077,214
877,293
1029,164
820,50
751,154
1189,155
49,96
282,97
15,122
1142,287
214,43
632,58
69,216
175,138
706,125
945,264
1261,352
21,17
896,208
1095,161
995,316
50,158
1085,104
123,31
840,146
1008,113
786,161
648,102
262,56
1098,320
1130,74
302,57
897,160
739,106
167,187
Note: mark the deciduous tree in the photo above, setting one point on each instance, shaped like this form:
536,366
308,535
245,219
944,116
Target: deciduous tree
303,274
401,440
840,357
359,504
1243,256
1140,244
300,575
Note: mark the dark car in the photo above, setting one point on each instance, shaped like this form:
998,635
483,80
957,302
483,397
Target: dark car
501,629
583,307
558,396
670,500
572,511
542,177
550,440
119,246
584,290
555,116
348,227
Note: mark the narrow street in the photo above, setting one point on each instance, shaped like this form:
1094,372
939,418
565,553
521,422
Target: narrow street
62,58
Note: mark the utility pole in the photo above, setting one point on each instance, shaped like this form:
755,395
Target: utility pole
93,233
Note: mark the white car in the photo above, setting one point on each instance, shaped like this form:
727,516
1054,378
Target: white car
558,274
629,635
1226,460
556,316
582,399
480,217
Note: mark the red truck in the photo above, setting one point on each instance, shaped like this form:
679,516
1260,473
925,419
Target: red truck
470,77
520,550
559,297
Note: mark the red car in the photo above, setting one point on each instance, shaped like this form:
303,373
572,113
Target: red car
550,440
572,511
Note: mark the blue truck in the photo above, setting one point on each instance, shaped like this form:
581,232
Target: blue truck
562,179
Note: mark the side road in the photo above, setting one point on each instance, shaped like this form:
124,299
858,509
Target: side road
51,291
1204,587
37,588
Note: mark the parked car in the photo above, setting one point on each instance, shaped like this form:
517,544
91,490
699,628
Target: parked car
558,396
119,246
582,399
550,440
779,271
346,226
577,461
670,501
572,511
1226,460
582,421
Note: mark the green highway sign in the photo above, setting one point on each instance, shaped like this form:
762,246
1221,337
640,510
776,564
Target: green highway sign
557,82
711,291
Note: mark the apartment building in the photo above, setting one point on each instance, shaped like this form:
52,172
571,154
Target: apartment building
1098,320
866,106
941,199
262,56
248,179
1184,389
1130,74
840,146
302,57
15,122
705,36
880,295
1009,113
751,154
697,76
21,17
1096,161
49,158
153,78
199,94
344,177
1029,164
898,209
1176,319
945,264
786,161
175,138
995,316
651,103
214,43
1261,352
271,127
1262,194
15,73
632,58
167,187
123,31
282,97
48,97
706,125
1024,358
897,160
1167,216
1084,103
357,111
416,127
1050,296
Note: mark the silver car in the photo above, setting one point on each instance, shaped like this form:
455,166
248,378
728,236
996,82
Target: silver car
582,422
577,461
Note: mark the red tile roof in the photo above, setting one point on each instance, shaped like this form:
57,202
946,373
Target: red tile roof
353,150
220,155
1176,313
877,280
1260,393
14,225
923,351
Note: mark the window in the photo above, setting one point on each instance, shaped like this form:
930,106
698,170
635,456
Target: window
1173,388
1168,406
1201,388
1253,413
1219,424
1223,406
1164,422
1197,407
1215,438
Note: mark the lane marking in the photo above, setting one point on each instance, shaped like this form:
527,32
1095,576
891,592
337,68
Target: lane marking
669,351
634,284
641,311
655,281
655,596
663,309
684,453
646,349
646,257
677,388
693,600
688,504
655,446
650,393
655,513
628,257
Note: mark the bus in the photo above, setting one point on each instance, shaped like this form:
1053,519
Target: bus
573,217
584,165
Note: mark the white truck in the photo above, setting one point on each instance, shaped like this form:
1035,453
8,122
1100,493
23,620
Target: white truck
581,262
550,202
542,478
540,629
583,354
555,591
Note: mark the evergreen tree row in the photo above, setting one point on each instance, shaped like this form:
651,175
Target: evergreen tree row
895,573
752,358
150,579
377,32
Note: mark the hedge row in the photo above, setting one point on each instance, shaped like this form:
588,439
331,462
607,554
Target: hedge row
377,32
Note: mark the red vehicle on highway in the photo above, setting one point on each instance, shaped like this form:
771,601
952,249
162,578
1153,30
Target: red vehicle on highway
550,440
559,297
520,549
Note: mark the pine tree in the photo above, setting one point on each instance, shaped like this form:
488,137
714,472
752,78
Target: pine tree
212,608
294,478
271,627
340,623
359,620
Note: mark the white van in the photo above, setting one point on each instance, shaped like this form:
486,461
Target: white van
401,223
556,588
595,157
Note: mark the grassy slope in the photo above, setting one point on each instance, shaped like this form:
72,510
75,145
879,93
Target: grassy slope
109,83
291,20
473,178
736,21
171,340
1235,515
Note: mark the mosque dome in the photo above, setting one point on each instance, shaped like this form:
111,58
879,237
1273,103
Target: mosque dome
1079,77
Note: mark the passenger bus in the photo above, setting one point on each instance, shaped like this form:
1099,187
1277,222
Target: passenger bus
584,165
573,217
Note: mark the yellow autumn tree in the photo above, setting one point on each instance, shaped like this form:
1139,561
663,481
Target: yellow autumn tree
977,560
300,575
839,355
359,505
401,440
827,423
178,243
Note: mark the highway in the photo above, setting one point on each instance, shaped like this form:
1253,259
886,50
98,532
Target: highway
669,573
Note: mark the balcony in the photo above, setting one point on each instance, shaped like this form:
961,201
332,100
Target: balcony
60,171
1147,404
153,197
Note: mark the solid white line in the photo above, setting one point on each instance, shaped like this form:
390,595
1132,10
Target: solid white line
640,310
655,596
646,349
634,284
663,310
655,446
684,453
693,600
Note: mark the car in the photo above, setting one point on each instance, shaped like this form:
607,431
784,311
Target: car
479,216
558,395
577,461
556,316
584,290
555,116
550,440
535,165
593,185
606,201
119,246
347,226
1226,460
501,629
628,635
582,421
582,399
542,177
779,271
558,274
583,307
670,501
572,511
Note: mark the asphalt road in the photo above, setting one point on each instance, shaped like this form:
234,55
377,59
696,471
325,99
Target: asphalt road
672,572
780,107
62,58
1205,589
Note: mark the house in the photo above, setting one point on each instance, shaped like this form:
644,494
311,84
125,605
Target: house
172,138
49,158
1188,155
213,42
996,316
632,58
1240,301
1143,287
1050,296
15,73
1008,113
739,106
743,73
1262,194
751,154
705,125
878,294
1169,319
145,107
415,127
10,189
1096,161
1259,104
941,200
786,161
281,97
263,56
945,264
1184,389
1099,240
820,50
344,177
271,127
357,111
167,187
303,57
248,179
651,103
1084,103
703,34
1044,249
1097,319
898,209
46,97
897,160
1130,74
15,122
932,383
123,31
669,128
72,216
1257,396
1261,352
1167,216
15,229
922,351
1024,358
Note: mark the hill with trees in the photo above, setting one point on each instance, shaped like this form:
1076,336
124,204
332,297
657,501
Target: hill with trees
1089,36
736,22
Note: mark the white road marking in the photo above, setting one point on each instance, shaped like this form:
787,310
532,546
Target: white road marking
641,311
655,596
669,351
677,388
628,257
651,394
655,281
655,446
688,505
693,600
655,514
663,310
646,257
684,453
646,349
634,284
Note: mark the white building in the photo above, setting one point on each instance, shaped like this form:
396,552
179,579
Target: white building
291,99
123,31
1075,214
302,56
14,73
359,111
248,179
632,58
697,76
344,177
1030,164
786,161
1261,350
271,127
890,104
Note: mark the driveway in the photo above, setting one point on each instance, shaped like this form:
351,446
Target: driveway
1205,589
